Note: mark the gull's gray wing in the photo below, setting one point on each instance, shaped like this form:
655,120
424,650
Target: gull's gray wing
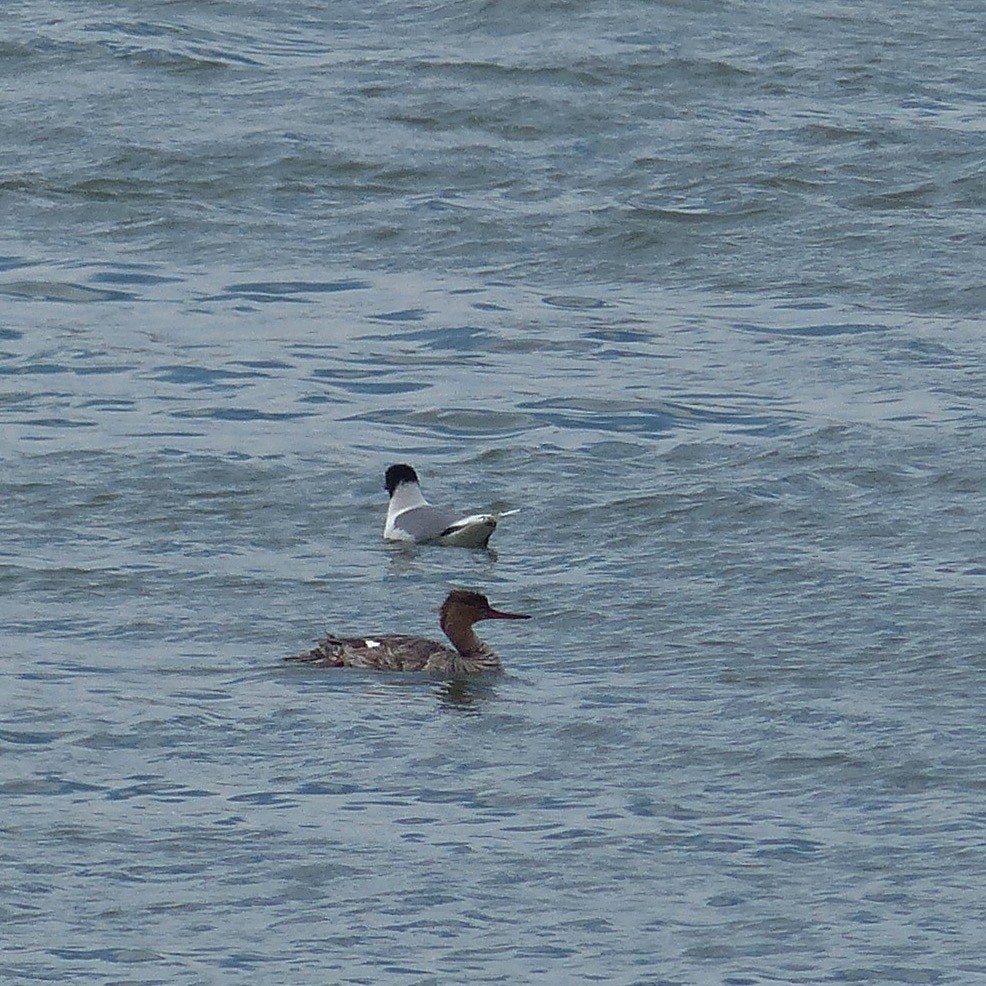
425,523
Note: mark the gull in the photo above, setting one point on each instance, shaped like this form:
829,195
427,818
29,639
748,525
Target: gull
410,517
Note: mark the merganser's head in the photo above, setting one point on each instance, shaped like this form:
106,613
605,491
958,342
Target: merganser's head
396,475
466,606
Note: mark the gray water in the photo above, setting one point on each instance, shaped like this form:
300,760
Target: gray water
696,287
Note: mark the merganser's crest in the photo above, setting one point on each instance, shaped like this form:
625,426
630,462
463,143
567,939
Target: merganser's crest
410,517
398,652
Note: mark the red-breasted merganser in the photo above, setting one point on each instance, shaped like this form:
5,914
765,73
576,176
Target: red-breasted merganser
397,652
410,517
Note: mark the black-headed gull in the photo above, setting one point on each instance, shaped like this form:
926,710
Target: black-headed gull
410,517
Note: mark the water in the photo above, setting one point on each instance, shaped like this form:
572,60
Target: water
696,287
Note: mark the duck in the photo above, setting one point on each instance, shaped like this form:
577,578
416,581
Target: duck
461,609
411,518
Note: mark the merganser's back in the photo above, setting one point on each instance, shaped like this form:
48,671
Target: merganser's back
398,652
410,517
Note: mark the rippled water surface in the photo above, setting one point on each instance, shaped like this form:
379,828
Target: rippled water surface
696,288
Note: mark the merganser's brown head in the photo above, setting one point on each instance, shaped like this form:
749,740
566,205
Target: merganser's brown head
468,607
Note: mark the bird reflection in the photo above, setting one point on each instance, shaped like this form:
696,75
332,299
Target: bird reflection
408,558
460,694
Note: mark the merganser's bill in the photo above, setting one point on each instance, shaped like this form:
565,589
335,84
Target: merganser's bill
410,517
397,652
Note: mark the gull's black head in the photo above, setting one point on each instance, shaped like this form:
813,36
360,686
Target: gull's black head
396,475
